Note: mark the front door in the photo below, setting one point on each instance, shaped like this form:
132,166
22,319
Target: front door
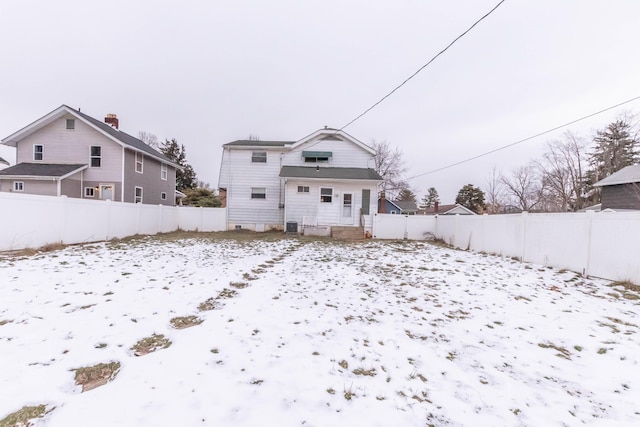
106,192
347,209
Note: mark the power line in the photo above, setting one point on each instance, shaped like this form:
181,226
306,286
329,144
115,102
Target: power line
526,139
423,67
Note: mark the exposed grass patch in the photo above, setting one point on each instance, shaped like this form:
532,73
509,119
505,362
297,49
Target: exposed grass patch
208,305
343,364
366,372
150,344
238,285
185,322
101,345
23,416
95,376
4,322
562,352
227,293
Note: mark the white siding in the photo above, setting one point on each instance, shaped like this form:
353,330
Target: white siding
344,154
300,205
239,175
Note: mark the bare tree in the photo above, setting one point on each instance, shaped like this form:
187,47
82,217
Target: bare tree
495,194
524,187
150,139
390,165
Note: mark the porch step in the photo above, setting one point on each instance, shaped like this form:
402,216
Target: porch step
347,233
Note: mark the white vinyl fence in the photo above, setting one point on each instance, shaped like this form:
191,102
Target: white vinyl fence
604,244
29,221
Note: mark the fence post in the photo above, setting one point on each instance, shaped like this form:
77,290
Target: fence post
108,220
585,270
525,216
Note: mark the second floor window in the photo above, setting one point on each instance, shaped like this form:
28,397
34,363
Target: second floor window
38,152
71,124
96,156
259,157
139,160
163,171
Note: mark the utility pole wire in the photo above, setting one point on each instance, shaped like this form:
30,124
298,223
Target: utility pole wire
423,67
526,139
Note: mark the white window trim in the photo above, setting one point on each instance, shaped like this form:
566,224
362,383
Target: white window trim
93,192
163,171
303,189
333,194
258,198
135,197
91,157
141,162
163,196
17,184
253,153
73,124
41,153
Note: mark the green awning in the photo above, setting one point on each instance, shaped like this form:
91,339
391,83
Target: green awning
317,154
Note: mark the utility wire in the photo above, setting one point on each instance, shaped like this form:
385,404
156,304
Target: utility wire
526,139
423,67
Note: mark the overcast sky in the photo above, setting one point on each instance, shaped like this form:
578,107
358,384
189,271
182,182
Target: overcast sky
210,72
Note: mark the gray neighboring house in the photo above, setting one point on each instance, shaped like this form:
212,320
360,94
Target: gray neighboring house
621,190
68,153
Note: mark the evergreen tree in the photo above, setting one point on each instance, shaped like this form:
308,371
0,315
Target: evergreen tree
429,200
202,197
614,149
472,198
406,195
185,178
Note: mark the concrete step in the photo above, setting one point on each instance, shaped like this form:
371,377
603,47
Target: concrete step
347,233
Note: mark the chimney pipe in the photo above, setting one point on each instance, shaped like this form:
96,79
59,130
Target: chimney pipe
111,119
435,207
382,204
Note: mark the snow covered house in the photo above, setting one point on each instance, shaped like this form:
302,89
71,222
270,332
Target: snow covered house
318,184
68,153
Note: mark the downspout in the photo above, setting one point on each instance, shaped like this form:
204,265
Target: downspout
122,177
59,181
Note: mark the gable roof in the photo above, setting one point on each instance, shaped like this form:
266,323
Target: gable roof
329,173
42,170
627,175
115,135
332,134
406,205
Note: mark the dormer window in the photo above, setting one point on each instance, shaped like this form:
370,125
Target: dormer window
71,123
316,156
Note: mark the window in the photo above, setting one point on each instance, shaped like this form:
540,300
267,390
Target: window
163,171
326,195
163,196
138,198
96,156
71,124
259,157
258,193
303,189
18,186
139,160
89,192
38,152
316,156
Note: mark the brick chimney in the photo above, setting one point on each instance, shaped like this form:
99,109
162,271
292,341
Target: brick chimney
435,207
111,119
382,203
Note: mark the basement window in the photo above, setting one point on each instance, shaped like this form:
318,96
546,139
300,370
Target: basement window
258,193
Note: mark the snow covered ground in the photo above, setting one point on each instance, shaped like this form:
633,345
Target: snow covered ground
314,333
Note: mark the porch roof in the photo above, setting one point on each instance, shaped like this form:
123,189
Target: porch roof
42,170
329,173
